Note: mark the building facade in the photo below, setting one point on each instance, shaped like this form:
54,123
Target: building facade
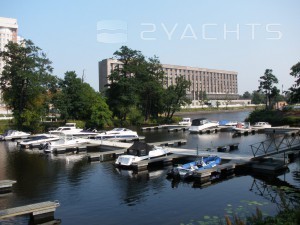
8,32
216,84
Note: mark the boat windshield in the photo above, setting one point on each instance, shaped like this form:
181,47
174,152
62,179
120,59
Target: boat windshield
199,122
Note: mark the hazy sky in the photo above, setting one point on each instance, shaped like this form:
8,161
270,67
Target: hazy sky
243,36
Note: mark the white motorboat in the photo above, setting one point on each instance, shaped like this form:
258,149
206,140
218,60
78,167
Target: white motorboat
140,151
118,134
262,125
71,129
202,124
14,134
68,128
245,126
185,122
37,140
228,125
67,142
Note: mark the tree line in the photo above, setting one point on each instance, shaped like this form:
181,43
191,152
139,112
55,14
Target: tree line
268,94
136,91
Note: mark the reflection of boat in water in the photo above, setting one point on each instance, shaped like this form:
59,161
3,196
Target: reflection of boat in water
140,151
186,171
202,124
14,134
140,174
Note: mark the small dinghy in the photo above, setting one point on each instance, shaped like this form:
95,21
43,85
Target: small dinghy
186,171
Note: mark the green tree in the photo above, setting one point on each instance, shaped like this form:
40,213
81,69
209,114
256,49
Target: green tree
246,95
150,96
77,100
266,86
176,96
135,85
202,98
26,83
100,115
122,93
258,98
295,89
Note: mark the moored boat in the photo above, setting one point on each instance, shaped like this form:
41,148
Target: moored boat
140,151
243,127
202,124
118,134
13,135
185,122
186,170
262,125
71,142
36,140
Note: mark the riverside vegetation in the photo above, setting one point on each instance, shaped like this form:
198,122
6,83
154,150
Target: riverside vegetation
135,95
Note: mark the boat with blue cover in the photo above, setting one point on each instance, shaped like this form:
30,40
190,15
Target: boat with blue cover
186,171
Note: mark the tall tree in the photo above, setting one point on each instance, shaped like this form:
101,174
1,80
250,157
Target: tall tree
258,98
122,93
151,79
295,89
78,100
246,95
175,97
266,86
26,83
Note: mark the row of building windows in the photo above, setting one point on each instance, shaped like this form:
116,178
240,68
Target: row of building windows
212,82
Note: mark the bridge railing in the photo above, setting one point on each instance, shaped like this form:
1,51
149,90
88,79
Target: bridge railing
275,145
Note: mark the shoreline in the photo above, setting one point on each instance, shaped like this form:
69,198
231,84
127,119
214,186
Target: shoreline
210,111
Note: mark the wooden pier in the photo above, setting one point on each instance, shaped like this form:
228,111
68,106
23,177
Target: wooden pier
244,132
39,212
176,129
208,130
204,176
6,186
113,154
155,127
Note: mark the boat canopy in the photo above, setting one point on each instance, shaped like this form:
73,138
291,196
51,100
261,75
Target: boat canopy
139,149
199,122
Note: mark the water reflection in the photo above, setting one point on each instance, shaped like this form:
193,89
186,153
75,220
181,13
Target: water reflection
93,192
275,190
135,186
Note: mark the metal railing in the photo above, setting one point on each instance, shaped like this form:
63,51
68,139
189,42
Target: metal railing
276,145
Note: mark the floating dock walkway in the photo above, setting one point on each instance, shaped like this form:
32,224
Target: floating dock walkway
110,155
6,186
39,212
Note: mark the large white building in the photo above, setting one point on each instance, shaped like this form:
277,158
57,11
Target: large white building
8,32
217,84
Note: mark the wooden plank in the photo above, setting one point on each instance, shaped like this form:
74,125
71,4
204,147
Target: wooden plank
27,209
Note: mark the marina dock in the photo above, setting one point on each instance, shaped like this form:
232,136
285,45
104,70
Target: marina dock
39,212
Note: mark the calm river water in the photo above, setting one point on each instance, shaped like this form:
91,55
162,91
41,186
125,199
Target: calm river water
98,193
